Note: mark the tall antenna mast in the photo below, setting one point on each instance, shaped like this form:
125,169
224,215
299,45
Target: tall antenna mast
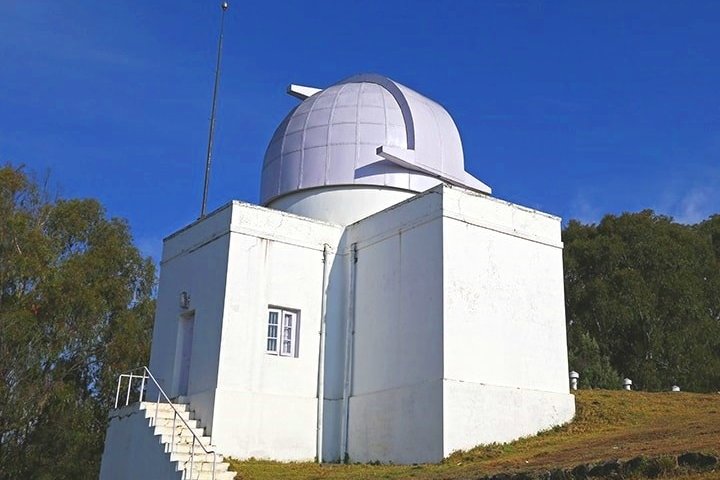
208,160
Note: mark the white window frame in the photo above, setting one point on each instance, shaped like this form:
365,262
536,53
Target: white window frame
286,330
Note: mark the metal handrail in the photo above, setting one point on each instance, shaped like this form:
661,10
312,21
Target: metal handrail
145,375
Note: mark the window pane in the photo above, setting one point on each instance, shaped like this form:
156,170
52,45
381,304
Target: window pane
281,331
272,331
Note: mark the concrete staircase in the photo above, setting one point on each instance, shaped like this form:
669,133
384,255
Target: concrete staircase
180,446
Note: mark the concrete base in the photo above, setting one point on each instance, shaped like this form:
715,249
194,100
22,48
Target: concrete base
380,431
477,414
278,427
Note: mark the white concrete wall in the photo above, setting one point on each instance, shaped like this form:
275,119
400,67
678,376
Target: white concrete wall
132,451
459,327
195,260
266,404
396,403
477,414
505,350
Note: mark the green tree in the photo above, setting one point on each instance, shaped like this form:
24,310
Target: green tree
646,289
75,310
584,356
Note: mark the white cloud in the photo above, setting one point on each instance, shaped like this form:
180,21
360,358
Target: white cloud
691,200
584,210
697,204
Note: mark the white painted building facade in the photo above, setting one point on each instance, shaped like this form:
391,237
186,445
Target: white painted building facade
380,306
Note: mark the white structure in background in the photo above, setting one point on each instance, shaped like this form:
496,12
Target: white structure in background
380,305
574,377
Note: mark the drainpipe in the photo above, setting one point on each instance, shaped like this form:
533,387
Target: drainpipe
321,357
349,342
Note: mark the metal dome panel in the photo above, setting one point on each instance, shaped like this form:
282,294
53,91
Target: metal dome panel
336,137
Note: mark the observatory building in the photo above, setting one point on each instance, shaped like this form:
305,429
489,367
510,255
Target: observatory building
378,305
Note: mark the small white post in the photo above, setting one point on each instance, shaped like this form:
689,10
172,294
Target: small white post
172,440
675,388
127,398
117,392
157,404
574,376
627,384
192,456
142,387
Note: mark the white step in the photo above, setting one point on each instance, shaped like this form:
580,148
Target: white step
187,447
164,407
202,466
168,422
178,456
186,439
169,415
180,430
162,416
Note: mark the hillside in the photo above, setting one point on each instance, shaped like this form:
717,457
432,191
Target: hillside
608,425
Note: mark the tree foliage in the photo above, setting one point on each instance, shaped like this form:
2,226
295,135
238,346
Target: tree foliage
643,296
75,310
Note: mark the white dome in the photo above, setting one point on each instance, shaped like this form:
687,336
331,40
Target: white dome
365,130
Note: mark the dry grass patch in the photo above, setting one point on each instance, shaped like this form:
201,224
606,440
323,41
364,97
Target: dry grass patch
608,425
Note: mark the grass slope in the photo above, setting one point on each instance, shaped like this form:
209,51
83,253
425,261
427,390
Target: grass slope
608,425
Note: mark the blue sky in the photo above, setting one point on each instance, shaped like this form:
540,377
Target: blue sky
575,108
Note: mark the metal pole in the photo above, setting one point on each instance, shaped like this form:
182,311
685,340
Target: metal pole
117,392
192,456
142,387
349,347
156,406
321,357
211,135
127,399
172,442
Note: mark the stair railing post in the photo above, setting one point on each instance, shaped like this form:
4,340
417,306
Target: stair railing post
172,443
156,408
117,392
127,398
142,387
192,456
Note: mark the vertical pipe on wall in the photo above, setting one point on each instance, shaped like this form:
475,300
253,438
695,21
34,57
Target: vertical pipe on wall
349,342
321,356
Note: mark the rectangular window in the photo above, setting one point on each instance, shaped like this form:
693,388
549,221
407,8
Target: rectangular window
282,332
272,333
